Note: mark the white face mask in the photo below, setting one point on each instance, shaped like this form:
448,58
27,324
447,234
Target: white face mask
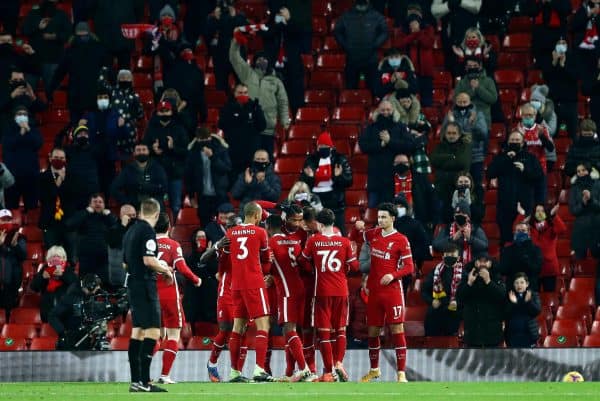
103,104
536,104
279,19
561,48
301,197
21,119
401,211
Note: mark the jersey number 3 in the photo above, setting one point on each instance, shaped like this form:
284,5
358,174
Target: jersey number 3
243,249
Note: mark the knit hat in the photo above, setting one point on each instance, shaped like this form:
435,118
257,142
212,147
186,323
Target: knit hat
463,208
325,140
167,11
20,107
400,199
79,129
124,74
5,214
403,93
82,26
539,93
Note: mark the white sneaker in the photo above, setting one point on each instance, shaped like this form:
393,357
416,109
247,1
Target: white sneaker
301,375
166,380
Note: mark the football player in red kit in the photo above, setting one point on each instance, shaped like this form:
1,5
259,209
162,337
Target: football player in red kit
171,309
250,260
290,295
391,259
332,257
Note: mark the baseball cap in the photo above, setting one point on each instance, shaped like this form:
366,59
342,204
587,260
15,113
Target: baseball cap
5,213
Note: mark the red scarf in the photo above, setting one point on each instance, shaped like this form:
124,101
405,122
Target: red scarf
590,37
403,185
466,248
323,173
438,285
534,143
553,21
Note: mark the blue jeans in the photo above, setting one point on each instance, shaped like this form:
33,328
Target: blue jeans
175,196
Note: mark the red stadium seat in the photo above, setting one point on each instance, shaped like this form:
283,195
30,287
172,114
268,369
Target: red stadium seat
297,147
519,24
125,329
343,147
359,163
490,197
534,77
415,313
490,214
356,96
32,233
514,60
595,327
25,316
509,79
559,341
582,284
584,299
370,216
13,344
331,62
183,233
562,144
304,131
593,340
119,344
47,331
442,80
13,330
215,98
508,96
326,80
442,342
575,311
357,199
289,165
330,45
308,61
30,300
550,300
585,268
188,216
414,328
142,80
312,115
317,97
344,131
568,328
199,343
359,181
319,25
43,344
517,42
209,80
352,215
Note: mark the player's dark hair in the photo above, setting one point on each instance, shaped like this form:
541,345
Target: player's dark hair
251,208
309,214
149,207
450,247
326,217
274,222
295,209
162,224
233,221
387,207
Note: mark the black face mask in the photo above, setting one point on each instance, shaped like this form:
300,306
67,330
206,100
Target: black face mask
472,72
460,219
450,260
462,109
324,152
587,140
164,119
125,84
82,141
462,187
84,38
386,120
401,168
6,48
515,147
260,166
17,83
142,158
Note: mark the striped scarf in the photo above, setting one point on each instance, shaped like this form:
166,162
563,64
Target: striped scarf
465,256
438,286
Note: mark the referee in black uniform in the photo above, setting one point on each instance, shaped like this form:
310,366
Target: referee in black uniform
139,253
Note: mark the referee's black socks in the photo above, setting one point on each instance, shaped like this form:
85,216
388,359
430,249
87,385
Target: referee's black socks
146,358
135,347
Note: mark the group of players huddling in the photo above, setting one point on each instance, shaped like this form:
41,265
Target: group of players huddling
292,273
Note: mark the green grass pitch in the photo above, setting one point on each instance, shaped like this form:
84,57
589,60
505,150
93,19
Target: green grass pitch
307,391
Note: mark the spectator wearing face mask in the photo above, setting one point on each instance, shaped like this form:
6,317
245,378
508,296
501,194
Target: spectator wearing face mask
472,122
538,141
545,116
182,113
200,303
395,71
585,26
562,75
82,155
242,120
301,194
21,144
515,172
466,191
207,173
360,32
82,62
167,140
263,85
141,179
258,181
382,140
15,55
13,251
584,204
468,237
474,45
217,227
416,189
522,256
18,93
523,306
585,149
405,223
439,292
328,174
480,87
114,240
450,157
545,226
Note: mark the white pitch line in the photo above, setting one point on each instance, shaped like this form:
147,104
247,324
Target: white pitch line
303,393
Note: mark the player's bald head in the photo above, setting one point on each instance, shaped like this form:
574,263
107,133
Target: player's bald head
251,209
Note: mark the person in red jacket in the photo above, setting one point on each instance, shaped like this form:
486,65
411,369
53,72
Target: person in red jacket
418,45
545,228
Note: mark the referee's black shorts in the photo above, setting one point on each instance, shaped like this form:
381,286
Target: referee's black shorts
144,303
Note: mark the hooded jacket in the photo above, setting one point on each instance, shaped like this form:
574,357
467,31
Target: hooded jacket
172,160
583,151
361,34
483,97
220,166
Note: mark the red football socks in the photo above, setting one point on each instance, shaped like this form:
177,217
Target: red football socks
400,344
340,346
243,352
218,344
308,341
290,364
261,342
374,346
234,348
268,355
295,348
326,350
169,354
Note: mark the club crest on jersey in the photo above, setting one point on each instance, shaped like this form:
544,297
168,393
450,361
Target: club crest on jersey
390,245
387,256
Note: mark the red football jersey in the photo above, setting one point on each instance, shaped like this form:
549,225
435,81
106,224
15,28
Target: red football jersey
249,248
331,257
224,288
286,251
300,235
169,254
390,254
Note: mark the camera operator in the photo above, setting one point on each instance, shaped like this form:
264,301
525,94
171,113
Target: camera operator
80,317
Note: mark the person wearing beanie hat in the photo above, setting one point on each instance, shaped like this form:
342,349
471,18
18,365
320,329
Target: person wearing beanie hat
586,148
328,174
545,116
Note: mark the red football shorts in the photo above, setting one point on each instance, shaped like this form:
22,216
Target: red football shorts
291,309
385,307
330,312
224,308
250,303
171,314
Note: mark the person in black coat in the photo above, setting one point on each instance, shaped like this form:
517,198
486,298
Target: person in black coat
92,226
19,94
196,15
82,155
114,240
439,292
219,32
242,120
183,74
584,40
257,182
21,144
360,32
482,296
207,173
585,149
12,55
329,174
591,87
82,61
395,71
516,172
13,251
141,179
413,229
523,306
216,228
584,204
521,256
382,141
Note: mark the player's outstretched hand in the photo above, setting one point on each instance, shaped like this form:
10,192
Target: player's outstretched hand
169,277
